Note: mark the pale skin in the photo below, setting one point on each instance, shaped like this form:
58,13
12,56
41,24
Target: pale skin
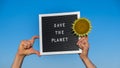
26,48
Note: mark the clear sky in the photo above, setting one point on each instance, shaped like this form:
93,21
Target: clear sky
19,21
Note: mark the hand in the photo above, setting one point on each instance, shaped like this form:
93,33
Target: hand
26,47
83,44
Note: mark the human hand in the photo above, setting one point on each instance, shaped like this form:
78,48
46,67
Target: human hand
84,45
26,47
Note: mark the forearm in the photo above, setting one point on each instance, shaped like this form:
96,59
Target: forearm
88,63
18,61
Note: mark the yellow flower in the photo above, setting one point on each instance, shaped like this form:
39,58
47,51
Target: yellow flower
81,27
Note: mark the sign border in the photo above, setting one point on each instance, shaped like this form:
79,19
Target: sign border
40,33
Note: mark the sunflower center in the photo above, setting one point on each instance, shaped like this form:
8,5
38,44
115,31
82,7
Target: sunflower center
82,26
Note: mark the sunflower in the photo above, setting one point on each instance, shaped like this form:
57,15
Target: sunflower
81,27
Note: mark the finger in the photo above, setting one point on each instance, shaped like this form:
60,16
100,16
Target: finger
29,45
24,44
28,42
85,43
80,41
80,46
33,39
80,38
35,52
86,38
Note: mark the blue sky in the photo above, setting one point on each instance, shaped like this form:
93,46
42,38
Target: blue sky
19,21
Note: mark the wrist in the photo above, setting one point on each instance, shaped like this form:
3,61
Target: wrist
18,61
88,62
84,57
20,55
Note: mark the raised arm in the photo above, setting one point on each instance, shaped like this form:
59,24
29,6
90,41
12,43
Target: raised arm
24,49
84,45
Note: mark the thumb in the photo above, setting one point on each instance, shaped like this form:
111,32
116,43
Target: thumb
33,51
